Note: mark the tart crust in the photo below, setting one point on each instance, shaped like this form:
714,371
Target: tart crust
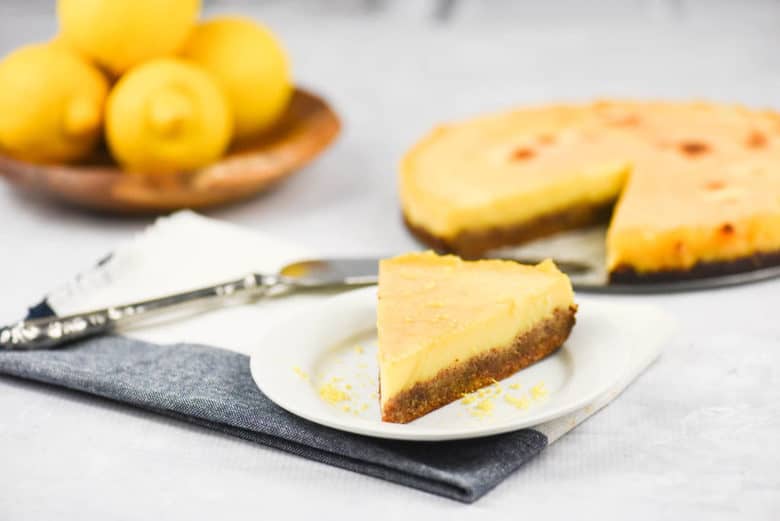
472,244
624,274
451,383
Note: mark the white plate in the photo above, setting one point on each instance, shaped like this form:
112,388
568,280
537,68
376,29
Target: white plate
333,343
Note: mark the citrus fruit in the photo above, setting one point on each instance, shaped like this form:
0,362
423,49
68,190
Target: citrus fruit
119,34
51,102
251,66
165,116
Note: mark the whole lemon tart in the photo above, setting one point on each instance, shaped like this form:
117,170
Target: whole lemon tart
448,327
689,189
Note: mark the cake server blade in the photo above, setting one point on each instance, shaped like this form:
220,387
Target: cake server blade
55,331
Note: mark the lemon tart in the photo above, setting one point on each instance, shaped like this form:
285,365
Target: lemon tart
448,326
689,189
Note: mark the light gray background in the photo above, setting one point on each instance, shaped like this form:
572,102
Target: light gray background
695,438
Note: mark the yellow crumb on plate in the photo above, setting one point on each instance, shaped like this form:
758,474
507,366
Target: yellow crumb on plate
483,408
301,373
538,391
514,386
359,349
468,399
521,402
485,405
332,394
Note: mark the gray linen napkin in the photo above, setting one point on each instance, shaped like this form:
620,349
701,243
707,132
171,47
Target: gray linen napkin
212,387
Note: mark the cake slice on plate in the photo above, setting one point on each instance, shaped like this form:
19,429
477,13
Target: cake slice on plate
448,326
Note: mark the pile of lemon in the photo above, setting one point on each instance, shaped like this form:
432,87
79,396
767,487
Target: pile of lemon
167,92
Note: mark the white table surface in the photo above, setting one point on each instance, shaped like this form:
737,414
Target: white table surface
695,438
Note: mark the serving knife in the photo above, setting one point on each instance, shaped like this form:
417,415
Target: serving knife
322,274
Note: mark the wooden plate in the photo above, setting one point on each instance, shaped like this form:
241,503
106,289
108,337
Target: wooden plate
307,127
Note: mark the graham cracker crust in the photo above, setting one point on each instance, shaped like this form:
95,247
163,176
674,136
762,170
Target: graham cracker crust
625,274
469,375
473,244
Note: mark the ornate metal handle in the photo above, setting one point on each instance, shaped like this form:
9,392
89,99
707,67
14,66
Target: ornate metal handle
55,331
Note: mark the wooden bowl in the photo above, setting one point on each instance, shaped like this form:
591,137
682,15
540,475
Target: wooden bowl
307,127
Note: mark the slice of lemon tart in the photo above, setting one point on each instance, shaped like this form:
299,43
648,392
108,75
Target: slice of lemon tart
448,326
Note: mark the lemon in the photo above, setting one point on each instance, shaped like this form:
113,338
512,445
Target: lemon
251,66
167,115
119,34
51,104
60,41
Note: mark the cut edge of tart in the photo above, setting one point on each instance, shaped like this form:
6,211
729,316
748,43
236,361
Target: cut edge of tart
448,327
690,189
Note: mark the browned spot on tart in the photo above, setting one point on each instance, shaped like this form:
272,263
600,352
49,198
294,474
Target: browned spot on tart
694,148
756,139
523,153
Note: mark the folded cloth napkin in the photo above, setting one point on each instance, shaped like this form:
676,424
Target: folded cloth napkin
171,368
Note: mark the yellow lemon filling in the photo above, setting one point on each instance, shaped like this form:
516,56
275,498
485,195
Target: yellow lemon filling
463,310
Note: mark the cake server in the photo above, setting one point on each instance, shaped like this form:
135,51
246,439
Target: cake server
304,275
308,275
